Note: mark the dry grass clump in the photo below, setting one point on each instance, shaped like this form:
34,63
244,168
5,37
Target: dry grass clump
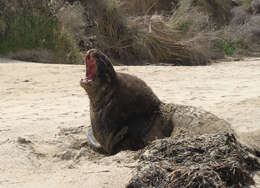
219,10
185,32
163,49
253,35
210,160
72,18
108,30
146,7
77,21
201,15
114,37
217,28
208,43
254,6
130,44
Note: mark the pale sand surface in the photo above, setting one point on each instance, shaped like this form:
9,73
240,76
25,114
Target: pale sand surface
37,100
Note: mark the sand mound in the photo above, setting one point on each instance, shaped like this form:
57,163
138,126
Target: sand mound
44,105
69,144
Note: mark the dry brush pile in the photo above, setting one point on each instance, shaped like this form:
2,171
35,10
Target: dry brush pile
131,43
210,160
178,32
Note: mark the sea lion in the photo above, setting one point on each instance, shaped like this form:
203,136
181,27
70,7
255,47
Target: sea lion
126,114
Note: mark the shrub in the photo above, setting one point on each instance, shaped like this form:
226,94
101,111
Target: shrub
184,27
30,24
229,47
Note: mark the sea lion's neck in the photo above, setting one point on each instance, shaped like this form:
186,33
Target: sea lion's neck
101,96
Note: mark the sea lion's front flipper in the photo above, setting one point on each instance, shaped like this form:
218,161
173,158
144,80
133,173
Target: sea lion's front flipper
114,138
93,143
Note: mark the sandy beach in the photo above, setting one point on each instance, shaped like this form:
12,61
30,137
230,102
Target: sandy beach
44,112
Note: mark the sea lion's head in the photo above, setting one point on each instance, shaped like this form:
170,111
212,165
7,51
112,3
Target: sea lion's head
99,71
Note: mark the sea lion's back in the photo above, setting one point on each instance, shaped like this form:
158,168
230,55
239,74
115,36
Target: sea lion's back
136,91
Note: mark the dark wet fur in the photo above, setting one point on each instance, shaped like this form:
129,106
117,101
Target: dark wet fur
126,114
132,105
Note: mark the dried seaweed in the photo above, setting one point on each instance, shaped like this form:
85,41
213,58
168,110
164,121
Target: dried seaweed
210,160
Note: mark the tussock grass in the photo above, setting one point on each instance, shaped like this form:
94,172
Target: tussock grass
111,24
220,10
190,18
113,35
128,45
146,7
213,27
131,44
184,27
162,49
201,15
187,33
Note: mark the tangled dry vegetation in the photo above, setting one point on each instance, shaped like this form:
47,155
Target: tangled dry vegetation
178,32
210,160
132,43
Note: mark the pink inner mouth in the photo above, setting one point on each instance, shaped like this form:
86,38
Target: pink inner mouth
91,71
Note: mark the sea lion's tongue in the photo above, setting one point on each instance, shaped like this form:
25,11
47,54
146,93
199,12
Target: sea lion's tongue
90,71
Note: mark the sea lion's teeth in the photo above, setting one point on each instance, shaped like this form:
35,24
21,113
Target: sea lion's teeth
84,80
88,79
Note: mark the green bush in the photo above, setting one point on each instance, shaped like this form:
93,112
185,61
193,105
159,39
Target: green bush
245,2
32,25
184,27
229,47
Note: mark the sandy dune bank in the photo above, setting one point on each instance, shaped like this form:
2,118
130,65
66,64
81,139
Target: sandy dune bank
45,105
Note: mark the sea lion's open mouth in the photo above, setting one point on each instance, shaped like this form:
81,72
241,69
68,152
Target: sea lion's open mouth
91,69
